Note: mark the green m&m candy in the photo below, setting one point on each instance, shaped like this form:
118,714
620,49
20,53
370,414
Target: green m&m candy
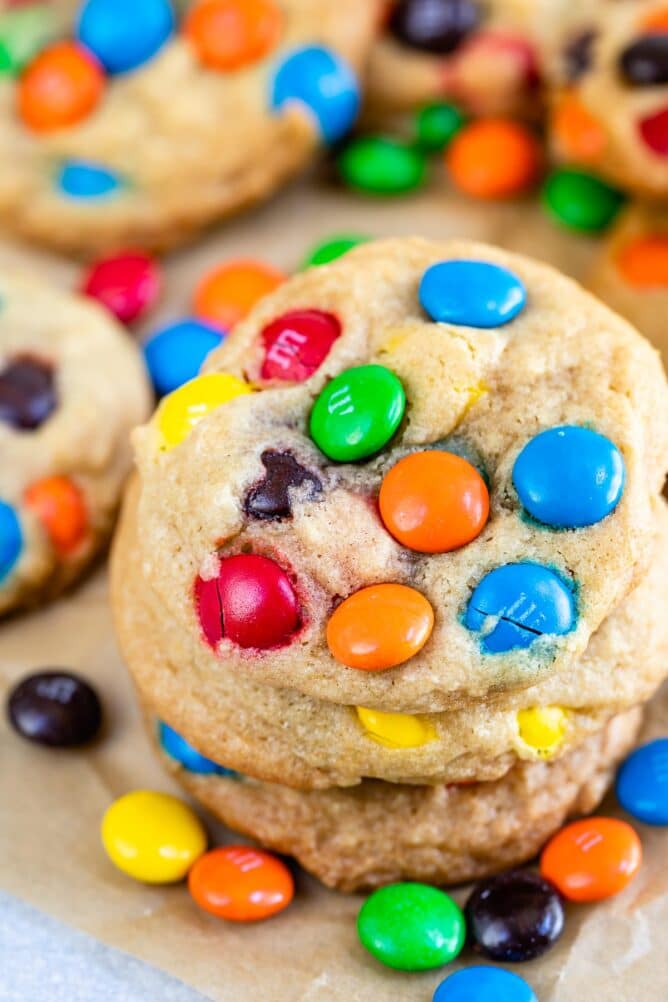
411,927
330,249
381,166
357,413
436,124
23,32
581,201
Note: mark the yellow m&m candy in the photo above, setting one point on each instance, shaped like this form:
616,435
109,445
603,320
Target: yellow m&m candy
178,413
542,728
152,837
396,730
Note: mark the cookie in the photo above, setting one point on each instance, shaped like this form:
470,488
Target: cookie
610,101
259,522
631,271
378,832
143,125
72,385
279,735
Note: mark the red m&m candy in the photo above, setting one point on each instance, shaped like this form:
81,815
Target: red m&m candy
242,884
229,34
127,284
62,85
297,343
654,131
251,602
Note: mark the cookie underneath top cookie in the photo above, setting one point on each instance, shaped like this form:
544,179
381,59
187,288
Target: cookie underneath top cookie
143,125
420,474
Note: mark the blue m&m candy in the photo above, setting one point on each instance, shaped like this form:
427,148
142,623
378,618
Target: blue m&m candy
324,83
178,748
11,539
642,783
80,179
516,604
471,293
484,984
175,354
123,34
569,477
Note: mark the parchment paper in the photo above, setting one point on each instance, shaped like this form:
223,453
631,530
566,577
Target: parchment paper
51,803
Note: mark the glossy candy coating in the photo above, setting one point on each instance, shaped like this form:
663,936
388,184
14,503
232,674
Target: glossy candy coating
240,883
569,477
378,165
592,859
183,409
542,728
494,158
515,604
484,984
324,84
643,262
357,413
330,250
270,498
433,501
297,343
176,746
11,539
27,392
82,180
55,708
437,124
579,134
581,201
411,927
227,294
61,508
515,916
59,88
127,284
152,837
175,354
642,783
379,627
23,32
230,34
250,602
644,63
123,34
396,730
437,26
471,293
654,132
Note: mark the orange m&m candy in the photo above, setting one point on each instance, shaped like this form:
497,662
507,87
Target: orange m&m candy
379,627
579,134
493,158
434,501
60,507
644,261
592,859
229,34
226,294
240,883
656,20
60,87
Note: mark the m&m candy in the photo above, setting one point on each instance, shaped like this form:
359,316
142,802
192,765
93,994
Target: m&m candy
176,746
152,836
250,602
643,262
228,293
183,409
644,63
493,158
396,730
433,501
381,166
484,984
569,477
514,916
229,34
123,34
379,627
82,180
11,539
581,201
471,293
579,135
61,508
128,284
515,604
411,927
62,85
241,884
175,354
27,392
592,859
55,708
437,26
330,250
23,32
653,130
437,124
357,413
297,343
542,728
321,82
642,783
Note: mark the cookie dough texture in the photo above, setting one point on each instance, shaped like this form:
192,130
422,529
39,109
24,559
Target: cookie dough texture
564,359
193,144
101,393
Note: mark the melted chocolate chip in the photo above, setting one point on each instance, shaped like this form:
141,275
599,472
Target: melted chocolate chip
270,499
644,63
578,55
515,916
55,708
27,393
437,26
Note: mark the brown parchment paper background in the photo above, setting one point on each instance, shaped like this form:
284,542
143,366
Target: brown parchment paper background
51,803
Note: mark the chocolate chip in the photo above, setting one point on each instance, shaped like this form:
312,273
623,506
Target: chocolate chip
578,55
27,392
55,708
645,62
515,916
270,499
437,26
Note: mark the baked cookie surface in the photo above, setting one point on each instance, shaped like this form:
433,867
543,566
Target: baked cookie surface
72,386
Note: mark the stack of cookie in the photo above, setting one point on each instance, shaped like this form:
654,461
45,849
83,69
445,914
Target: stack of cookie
386,580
